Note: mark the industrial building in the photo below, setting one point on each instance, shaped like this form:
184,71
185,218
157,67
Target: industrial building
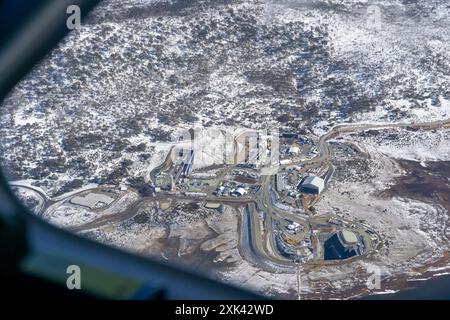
311,185
187,166
279,183
238,192
348,237
294,149
343,244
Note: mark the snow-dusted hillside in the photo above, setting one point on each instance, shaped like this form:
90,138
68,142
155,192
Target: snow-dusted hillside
100,109
138,69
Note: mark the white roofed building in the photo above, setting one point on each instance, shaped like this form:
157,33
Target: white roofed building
311,185
239,192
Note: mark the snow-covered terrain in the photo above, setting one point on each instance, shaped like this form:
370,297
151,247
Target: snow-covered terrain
137,70
101,109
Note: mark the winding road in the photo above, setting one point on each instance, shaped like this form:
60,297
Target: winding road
256,244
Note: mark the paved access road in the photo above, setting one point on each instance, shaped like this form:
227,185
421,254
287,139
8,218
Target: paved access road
257,237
